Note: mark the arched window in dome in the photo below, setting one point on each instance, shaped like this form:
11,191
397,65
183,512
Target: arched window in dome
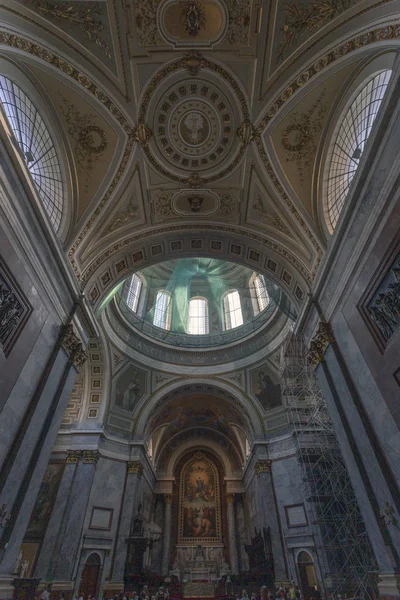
37,147
198,316
261,292
354,130
133,292
232,310
163,310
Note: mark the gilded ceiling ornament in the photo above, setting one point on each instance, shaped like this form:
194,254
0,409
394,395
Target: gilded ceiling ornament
163,205
87,18
193,17
90,140
239,21
300,137
227,204
142,134
194,180
269,218
129,215
308,19
194,62
247,133
195,203
146,22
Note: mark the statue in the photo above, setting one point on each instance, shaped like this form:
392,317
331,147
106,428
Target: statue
24,568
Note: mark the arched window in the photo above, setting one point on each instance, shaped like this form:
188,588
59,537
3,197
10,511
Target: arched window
198,316
232,310
260,289
37,147
351,138
163,310
133,293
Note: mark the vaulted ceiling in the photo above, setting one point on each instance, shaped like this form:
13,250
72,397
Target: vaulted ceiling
161,103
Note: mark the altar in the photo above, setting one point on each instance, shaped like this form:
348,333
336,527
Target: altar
199,564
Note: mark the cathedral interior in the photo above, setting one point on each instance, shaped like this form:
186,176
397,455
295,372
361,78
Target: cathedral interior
199,298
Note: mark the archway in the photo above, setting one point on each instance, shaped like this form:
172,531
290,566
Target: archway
307,575
90,576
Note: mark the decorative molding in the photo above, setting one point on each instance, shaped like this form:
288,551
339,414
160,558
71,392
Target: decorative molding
135,467
384,306
84,17
124,218
90,140
146,22
14,310
262,466
275,246
281,191
299,137
73,457
168,498
319,343
230,498
308,19
239,21
269,218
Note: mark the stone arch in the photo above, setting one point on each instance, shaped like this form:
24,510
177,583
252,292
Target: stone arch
254,251
149,408
192,447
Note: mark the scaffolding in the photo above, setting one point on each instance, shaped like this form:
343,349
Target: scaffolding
343,547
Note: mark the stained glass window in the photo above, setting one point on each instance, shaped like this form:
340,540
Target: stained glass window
162,310
232,310
37,147
133,293
350,142
198,316
261,292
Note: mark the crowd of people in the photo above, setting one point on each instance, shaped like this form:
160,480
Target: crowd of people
162,593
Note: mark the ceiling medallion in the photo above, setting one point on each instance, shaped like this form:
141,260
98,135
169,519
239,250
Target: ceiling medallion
200,126
193,17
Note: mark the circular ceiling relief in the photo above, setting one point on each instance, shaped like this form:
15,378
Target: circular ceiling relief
194,126
194,121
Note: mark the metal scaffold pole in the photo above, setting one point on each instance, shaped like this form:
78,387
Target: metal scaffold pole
342,543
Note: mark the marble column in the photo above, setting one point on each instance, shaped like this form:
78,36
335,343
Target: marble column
270,516
68,553
167,534
233,553
132,496
55,530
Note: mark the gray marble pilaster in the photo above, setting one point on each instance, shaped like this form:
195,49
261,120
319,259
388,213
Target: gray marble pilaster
53,537
269,515
130,501
74,517
233,553
32,479
167,534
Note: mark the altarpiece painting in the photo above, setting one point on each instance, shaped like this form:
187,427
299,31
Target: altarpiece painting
199,502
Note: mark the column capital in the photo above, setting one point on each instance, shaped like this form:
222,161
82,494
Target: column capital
168,498
73,457
319,343
73,346
90,456
262,466
229,498
135,467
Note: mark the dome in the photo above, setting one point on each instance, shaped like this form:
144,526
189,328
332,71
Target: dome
199,302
